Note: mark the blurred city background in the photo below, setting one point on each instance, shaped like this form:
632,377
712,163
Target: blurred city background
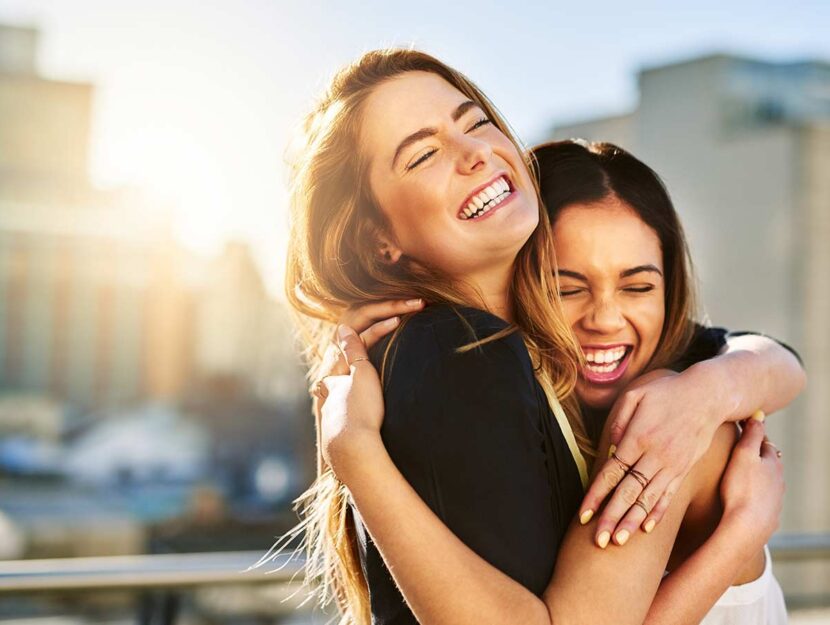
151,397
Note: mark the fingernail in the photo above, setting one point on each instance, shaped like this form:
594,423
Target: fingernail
414,302
611,450
586,516
649,526
759,415
392,321
603,538
343,332
622,537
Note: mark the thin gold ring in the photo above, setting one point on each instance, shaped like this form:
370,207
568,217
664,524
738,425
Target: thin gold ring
640,503
319,390
359,358
625,466
642,479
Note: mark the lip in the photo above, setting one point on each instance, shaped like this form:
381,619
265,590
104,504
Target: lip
612,376
480,188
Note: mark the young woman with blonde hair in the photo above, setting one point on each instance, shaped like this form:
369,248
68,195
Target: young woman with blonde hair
409,183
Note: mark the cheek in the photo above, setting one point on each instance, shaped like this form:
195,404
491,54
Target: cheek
648,321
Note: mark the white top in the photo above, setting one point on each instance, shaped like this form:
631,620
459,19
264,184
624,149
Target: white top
759,602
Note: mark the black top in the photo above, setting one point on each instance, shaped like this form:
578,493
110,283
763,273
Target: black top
475,437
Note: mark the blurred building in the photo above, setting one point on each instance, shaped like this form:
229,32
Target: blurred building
99,305
744,148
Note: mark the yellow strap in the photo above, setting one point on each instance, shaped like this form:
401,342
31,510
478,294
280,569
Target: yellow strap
567,431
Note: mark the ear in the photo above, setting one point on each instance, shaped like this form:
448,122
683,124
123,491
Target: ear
388,249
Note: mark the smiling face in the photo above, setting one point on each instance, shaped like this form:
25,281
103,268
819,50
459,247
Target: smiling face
453,188
611,283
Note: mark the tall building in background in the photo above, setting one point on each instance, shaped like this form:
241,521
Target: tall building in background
99,305
744,148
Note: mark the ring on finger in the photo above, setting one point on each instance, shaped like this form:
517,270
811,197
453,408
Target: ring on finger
624,465
642,479
319,390
642,505
766,441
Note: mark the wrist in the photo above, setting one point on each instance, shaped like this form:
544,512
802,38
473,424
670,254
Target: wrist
744,529
351,456
719,389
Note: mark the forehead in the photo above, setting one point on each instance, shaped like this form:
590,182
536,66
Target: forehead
604,237
402,105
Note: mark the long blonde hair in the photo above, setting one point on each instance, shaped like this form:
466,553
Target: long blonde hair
333,263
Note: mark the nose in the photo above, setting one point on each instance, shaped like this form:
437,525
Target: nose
472,153
603,317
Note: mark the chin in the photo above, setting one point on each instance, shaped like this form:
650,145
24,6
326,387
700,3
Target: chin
596,397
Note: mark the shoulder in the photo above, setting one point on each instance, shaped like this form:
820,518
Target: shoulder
437,337
706,343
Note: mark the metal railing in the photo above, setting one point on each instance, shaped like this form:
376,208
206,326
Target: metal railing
179,573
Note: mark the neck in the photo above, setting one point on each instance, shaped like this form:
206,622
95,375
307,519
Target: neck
493,289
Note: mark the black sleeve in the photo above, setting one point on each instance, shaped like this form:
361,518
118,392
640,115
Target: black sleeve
465,430
708,342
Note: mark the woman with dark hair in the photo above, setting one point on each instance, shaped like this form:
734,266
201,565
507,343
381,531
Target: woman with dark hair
626,286
409,183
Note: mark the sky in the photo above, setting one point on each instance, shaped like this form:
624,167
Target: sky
196,100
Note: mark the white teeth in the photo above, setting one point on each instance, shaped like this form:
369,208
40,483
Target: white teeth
605,360
486,199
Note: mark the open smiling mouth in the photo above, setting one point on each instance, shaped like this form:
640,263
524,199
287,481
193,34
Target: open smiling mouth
486,199
606,365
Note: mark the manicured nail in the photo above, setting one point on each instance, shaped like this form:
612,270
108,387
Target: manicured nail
414,302
344,332
649,526
586,516
392,321
622,537
603,538
759,415
611,450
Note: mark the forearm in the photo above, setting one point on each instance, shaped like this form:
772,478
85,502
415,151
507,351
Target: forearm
690,591
442,579
753,373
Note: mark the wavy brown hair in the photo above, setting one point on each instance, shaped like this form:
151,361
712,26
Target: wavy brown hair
333,263
578,172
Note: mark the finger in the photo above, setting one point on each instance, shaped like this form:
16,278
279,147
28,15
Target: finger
751,439
361,317
621,414
645,503
769,451
659,510
378,330
352,347
611,474
333,362
624,497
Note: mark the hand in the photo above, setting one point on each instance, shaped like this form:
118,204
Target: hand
661,426
372,322
752,487
353,411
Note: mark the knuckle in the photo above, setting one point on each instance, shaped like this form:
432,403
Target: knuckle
611,476
629,493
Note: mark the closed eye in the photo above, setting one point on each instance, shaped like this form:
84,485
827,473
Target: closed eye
420,159
482,122
639,289
569,292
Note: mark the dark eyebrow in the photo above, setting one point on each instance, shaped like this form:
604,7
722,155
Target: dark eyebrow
639,269
623,274
572,274
423,133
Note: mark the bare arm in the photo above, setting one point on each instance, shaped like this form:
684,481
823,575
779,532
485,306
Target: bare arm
445,582
663,427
